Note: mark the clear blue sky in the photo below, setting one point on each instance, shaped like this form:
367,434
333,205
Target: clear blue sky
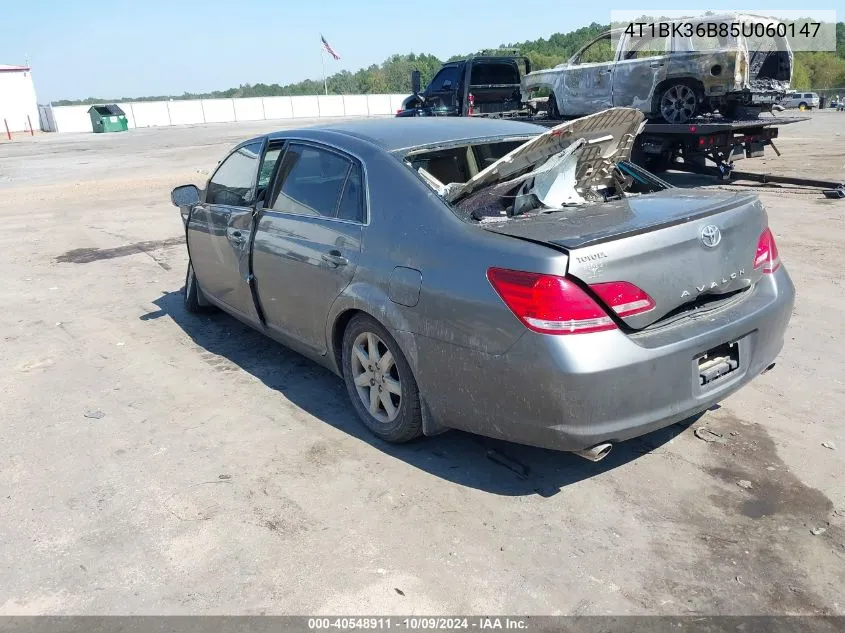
121,48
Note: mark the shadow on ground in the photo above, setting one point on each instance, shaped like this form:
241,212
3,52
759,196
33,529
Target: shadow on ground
455,456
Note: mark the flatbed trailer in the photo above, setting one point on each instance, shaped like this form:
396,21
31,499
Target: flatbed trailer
707,145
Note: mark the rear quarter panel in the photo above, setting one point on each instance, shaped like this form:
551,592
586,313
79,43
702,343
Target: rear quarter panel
410,227
702,66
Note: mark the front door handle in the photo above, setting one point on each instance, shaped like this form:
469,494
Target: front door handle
235,236
334,258
655,64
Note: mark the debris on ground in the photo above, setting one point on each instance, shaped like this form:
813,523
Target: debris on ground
744,483
507,462
94,414
703,433
818,531
399,591
829,445
224,476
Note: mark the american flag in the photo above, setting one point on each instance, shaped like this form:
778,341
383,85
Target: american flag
328,48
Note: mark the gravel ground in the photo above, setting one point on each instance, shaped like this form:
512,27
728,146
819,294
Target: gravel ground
156,462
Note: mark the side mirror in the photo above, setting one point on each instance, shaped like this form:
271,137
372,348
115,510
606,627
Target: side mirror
185,195
415,82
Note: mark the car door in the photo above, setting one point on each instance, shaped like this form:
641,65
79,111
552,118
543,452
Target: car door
587,80
443,88
308,239
642,64
219,230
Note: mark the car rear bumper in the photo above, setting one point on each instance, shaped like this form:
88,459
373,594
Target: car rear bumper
572,392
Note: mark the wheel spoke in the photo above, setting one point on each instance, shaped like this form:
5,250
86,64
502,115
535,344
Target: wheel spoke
374,400
362,356
393,386
385,362
363,380
387,403
372,348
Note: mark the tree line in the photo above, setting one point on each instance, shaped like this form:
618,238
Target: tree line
811,70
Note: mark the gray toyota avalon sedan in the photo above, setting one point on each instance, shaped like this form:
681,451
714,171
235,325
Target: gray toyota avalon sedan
491,276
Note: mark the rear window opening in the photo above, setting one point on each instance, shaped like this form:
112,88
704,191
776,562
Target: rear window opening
445,168
459,164
491,74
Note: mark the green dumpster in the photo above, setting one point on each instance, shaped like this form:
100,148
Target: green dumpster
108,118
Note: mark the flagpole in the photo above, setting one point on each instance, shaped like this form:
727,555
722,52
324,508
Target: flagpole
323,60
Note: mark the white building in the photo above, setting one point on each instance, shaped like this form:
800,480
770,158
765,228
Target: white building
17,99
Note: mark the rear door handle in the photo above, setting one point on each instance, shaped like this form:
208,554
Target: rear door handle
334,258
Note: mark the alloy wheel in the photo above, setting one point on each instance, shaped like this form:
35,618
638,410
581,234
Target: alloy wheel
678,104
376,377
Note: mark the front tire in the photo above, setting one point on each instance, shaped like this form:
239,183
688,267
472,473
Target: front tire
194,301
380,382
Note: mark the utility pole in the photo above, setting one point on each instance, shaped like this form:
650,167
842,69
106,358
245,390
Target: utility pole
323,60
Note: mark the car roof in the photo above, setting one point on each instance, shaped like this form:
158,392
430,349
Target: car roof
392,134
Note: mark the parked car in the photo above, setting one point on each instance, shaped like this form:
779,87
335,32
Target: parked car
801,100
491,276
670,78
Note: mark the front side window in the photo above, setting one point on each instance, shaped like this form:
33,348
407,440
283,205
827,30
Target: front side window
232,183
450,74
642,47
598,52
319,182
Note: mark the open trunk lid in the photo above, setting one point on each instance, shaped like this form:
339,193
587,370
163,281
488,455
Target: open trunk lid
680,247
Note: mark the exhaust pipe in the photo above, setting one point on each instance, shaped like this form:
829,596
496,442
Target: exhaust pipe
595,453
768,369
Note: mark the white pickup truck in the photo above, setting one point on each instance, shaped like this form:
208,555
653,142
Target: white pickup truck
672,78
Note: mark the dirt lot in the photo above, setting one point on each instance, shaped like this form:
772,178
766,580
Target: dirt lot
158,462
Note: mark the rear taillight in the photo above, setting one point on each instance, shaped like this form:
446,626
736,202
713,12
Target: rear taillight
549,304
767,258
624,298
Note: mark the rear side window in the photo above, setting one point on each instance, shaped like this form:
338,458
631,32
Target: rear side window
352,200
232,183
319,182
493,73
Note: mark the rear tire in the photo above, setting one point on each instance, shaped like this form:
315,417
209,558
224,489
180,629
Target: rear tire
379,381
551,107
194,300
677,103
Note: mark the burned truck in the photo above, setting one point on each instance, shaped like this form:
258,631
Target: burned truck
671,77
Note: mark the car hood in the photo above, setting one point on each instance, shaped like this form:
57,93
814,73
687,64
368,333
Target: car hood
608,137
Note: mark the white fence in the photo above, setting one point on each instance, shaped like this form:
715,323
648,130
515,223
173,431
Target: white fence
198,111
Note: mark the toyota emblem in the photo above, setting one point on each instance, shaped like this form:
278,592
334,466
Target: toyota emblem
711,236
